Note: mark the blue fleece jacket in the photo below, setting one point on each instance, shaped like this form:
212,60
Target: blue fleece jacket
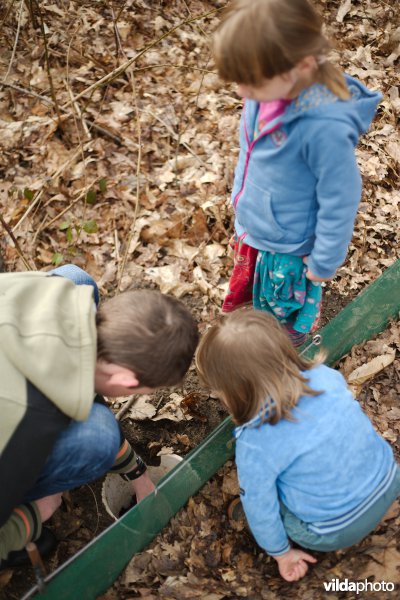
328,463
297,190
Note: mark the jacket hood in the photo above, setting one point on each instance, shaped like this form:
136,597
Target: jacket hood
48,334
318,101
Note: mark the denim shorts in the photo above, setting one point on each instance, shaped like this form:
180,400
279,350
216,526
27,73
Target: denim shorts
299,531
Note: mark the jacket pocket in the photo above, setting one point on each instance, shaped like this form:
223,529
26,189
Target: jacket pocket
254,212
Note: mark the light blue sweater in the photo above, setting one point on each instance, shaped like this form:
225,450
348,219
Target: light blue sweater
328,463
297,190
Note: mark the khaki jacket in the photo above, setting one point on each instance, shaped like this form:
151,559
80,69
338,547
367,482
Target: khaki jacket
47,366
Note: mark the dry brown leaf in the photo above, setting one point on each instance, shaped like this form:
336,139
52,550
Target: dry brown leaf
168,279
392,512
385,565
172,410
394,414
5,577
141,409
181,249
359,376
165,450
181,439
228,575
343,10
230,484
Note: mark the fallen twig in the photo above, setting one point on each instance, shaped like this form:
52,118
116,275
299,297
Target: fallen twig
15,41
139,149
47,61
16,243
130,402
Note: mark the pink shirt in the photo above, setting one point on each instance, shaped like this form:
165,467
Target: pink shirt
269,113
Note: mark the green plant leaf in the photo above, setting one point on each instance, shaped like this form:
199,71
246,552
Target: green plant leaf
91,197
57,259
28,194
103,185
90,226
69,235
65,225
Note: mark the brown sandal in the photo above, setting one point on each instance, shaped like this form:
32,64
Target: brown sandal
235,510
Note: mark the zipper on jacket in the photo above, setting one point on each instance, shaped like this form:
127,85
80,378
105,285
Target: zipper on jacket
250,146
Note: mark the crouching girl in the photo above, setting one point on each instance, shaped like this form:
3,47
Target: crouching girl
311,467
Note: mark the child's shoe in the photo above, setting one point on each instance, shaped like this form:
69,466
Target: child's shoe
235,510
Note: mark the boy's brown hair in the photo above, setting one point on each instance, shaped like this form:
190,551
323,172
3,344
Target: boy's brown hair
249,360
258,39
152,334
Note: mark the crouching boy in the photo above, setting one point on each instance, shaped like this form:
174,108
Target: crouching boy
58,358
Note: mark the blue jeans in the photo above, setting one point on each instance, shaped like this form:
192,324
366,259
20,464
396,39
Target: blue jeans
86,449
298,531
83,452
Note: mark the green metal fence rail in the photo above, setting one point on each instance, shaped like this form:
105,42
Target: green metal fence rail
94,569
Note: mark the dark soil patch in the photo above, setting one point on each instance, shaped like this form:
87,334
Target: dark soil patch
332,304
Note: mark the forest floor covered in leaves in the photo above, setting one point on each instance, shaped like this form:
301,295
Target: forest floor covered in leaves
119,144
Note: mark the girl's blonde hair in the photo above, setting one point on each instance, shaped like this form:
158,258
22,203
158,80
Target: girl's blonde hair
247,358
258,39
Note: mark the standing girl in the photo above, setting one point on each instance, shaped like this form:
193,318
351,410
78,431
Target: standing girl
297,185
311,466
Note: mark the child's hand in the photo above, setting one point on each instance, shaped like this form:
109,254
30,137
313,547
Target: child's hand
313,277
310,275
142,486
292,565
232,241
